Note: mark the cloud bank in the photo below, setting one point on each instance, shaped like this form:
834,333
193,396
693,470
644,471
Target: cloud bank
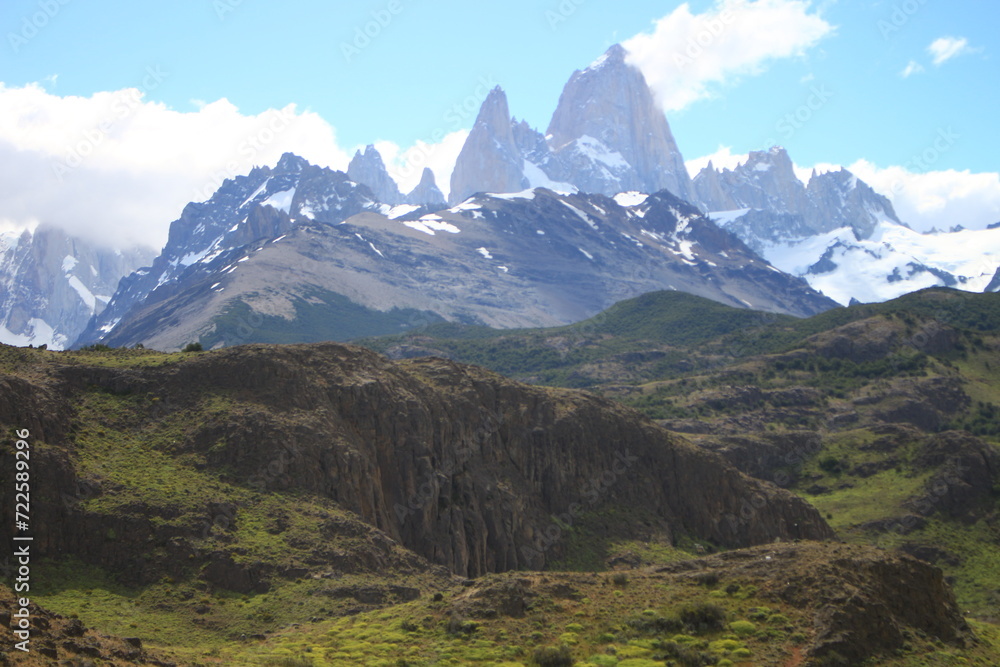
116,169
688,57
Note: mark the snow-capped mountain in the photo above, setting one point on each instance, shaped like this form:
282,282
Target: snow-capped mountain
300,253
52,284
839,234
259,206
606,136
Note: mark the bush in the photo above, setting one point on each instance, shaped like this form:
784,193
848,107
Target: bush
194,347
703,617
553,656
687,656
743,628
620,579
654,625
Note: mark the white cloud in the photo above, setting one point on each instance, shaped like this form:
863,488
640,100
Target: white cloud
407,166
913,67
946,48
936,199
118,169
721,159
688,57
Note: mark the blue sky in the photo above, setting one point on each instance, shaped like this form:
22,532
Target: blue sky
846,85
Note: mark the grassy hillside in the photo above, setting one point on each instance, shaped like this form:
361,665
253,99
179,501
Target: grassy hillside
849,409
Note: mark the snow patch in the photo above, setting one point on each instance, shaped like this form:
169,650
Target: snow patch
69,263
257,192
85,294
725,218
598,152
633,198
41,333
485,253
429,224
396,212
281,200
524,194
583,216
539,179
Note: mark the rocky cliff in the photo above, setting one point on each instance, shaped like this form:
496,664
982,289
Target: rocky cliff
368,169
610,135
490,160
470,470
427,193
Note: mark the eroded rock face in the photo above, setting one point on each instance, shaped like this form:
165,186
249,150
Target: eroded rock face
427,191
608,112
463,467
369,169
864,600
490,160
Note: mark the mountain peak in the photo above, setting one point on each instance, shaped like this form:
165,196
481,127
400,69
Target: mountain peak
614,56
427,191
490,160
290,163
368,168
612,103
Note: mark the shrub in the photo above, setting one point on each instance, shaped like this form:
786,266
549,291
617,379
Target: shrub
743,628
553,656
193,347
703,617
654,625
620,579
457,626
687,656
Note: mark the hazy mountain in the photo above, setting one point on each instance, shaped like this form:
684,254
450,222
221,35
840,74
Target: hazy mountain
52,284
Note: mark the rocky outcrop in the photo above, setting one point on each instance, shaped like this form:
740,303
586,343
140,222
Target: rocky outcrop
610,136
461,466
839,199
427,191
766,181
57,640
865,601
966,478
369,169
490,160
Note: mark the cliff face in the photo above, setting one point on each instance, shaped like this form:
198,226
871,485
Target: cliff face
490,160
608,111
465,468
368,169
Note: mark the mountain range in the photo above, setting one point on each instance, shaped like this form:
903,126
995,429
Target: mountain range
535,230
52,284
